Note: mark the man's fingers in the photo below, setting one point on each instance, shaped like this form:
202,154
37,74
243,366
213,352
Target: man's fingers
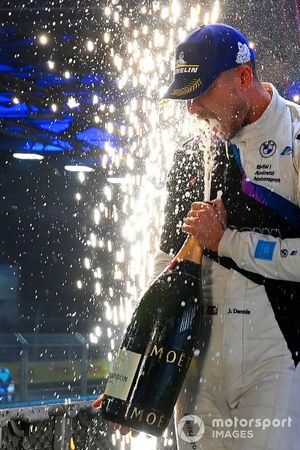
193,213
134,433
113,426
189,221
204,205
188,229
199,205
221,211
217,202
97,403
124,430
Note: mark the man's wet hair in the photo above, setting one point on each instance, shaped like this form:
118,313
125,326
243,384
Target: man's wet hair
253,67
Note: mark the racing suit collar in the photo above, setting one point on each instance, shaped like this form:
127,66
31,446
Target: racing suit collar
265,121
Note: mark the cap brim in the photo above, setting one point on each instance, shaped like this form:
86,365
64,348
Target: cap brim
187,89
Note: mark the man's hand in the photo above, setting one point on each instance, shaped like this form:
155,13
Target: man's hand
207,223
114,426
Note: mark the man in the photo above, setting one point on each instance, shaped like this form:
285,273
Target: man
246,376
242,390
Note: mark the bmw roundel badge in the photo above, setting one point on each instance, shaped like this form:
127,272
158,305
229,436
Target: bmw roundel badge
267,149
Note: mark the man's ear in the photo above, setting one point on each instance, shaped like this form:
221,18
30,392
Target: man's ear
245,77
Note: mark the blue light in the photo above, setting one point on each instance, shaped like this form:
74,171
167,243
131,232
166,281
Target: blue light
92,78
35,146
68,37
82,96
50,79
35,128
62,144
26,72
6,69
7,29
14,129
56,126
5,98
16,111
39,147
292,89
95,136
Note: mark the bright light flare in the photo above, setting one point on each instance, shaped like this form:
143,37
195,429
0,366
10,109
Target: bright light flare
90,46
215,12
29,156
72,103
109,127
175,9
165,13
106,37
144,442
76,168
97,216
87,263
98,331
107,11
43,39
93,338
51,64
206,18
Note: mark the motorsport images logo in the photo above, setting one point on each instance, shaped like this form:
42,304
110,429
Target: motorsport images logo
191,429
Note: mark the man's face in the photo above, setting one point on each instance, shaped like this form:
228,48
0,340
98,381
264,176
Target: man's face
222,105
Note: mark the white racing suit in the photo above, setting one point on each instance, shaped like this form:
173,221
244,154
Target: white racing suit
242,390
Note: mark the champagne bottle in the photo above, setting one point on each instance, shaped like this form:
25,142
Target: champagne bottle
157,348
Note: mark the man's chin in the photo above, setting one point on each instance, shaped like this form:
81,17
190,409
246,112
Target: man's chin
216,128
222,133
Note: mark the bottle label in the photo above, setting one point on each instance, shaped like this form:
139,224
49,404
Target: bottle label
122,375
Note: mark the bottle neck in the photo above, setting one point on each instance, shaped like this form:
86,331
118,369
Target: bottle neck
190,251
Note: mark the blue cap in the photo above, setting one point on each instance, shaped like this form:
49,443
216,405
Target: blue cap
203,56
